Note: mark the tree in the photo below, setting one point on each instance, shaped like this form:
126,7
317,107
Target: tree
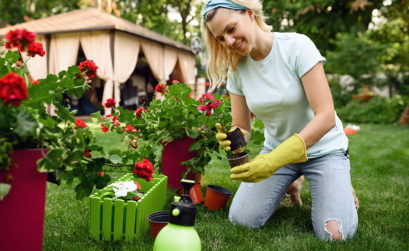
393,31
321,20
355,55
19,11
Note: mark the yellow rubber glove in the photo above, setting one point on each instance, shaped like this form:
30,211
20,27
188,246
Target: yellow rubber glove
291,151
221,137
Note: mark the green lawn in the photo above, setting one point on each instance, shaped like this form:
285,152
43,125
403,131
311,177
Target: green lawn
380,175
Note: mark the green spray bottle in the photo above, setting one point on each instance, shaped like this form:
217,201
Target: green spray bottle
179,234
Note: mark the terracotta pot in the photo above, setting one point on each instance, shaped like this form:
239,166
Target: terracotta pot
238,159
195,193
216,197
157,221
22,210
173,154
404,119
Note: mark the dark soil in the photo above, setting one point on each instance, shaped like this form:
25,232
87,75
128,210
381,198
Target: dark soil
236,138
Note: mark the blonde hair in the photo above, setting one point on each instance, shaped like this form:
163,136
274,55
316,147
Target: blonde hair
221,60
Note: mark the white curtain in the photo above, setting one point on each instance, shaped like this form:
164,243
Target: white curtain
126,50
97,47
154,54
187,64
63,52
37,66
170,60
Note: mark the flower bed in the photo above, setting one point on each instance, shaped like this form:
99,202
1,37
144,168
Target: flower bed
118,219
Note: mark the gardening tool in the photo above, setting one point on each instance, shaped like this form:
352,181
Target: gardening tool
180,233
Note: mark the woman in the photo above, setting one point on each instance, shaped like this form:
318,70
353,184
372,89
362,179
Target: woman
280,78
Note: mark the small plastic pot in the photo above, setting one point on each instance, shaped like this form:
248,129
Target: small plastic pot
216,197
157,221
238,159
195,193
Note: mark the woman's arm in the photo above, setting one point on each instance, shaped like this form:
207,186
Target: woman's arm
240,114
319,96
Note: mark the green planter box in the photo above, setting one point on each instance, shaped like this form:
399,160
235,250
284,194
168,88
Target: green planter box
119,219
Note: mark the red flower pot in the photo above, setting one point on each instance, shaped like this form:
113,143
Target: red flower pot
195,193
157,221
216,197
173,154
22,210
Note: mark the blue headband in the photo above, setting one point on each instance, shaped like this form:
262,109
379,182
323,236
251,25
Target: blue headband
213,4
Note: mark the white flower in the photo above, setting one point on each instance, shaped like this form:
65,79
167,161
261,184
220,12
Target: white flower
122,188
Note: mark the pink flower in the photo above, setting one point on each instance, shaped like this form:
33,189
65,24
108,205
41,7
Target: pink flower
208,103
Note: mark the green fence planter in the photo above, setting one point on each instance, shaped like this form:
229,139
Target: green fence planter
119,219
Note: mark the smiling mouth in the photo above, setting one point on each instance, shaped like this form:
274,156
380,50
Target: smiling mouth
237,45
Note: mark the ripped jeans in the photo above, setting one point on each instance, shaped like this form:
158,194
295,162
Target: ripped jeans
331,194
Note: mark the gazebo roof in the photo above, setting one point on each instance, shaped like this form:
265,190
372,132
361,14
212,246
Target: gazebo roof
91,19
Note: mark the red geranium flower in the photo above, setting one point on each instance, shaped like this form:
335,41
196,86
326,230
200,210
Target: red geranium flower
208,103
110,103
139,111
101,174
35,82
86,153
130,128
13,89
34,49
136,198
89,67
138,186
160,88
79,122
19,39
133,143
104,128
144,169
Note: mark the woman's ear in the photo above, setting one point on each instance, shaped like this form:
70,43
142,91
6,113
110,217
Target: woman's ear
250,13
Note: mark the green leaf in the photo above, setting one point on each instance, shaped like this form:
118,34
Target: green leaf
4,190
83,190
195,146
63,112
52,160
115,159
26,123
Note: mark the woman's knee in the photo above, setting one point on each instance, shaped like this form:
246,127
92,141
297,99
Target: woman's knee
246,218
334,230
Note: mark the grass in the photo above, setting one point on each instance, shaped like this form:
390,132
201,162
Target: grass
380,175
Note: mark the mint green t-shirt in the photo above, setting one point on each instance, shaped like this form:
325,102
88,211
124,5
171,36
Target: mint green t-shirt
274,93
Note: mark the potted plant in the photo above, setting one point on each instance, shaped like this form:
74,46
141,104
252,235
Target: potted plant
30,139
176,117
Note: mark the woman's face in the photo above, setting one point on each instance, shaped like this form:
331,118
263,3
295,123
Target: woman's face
233,30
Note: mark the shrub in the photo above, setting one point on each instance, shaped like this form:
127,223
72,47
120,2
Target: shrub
378,110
